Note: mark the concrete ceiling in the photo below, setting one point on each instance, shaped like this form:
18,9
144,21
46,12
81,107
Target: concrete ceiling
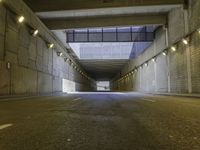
106,21
60,15
65,14
105,11
58,5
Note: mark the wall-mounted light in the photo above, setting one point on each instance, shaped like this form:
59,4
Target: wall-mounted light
198,31
146,64
8,65
164,53
173,48
66,59
185,41
50,45
35,32
153,59
21,19
59,54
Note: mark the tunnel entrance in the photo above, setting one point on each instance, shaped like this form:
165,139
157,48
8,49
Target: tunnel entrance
103,52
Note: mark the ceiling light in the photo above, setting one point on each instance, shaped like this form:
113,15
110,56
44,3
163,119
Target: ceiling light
21,19
154,59
173,48
185,41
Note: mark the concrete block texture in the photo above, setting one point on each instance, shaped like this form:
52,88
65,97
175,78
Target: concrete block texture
176,25
32,63
11,57
23,56
1,47
45,83
57,84
195,63
32,49
23,80
2,20
24,36
194,11
12,40
179,71
4,78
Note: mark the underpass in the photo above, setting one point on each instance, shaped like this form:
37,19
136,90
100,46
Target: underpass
99,74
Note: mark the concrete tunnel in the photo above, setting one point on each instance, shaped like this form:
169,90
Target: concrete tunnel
127,68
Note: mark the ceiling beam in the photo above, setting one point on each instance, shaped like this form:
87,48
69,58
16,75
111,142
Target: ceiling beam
58,5
106,21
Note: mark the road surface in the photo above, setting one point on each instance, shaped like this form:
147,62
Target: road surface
100,121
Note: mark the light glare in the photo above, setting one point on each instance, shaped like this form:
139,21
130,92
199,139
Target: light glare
185,41
50,46
199,31
35,33
164,53
60,54
173,48
21,19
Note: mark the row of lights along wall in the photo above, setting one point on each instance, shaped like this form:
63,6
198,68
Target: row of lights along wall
35,32
172,48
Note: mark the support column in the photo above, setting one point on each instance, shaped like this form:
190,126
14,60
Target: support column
168,61
188,54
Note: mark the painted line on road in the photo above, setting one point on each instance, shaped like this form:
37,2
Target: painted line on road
5,126
76,99
149,100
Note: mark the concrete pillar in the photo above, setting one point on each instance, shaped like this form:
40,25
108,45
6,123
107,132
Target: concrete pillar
168,60
188,55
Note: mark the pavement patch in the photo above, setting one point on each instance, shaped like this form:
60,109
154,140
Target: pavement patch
76,99
149,100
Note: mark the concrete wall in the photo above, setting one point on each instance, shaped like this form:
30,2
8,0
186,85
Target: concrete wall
35,69
178,72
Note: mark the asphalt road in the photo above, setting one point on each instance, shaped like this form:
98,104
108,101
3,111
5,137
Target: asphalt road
100,121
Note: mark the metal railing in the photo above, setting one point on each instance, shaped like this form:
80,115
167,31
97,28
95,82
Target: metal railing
74,36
